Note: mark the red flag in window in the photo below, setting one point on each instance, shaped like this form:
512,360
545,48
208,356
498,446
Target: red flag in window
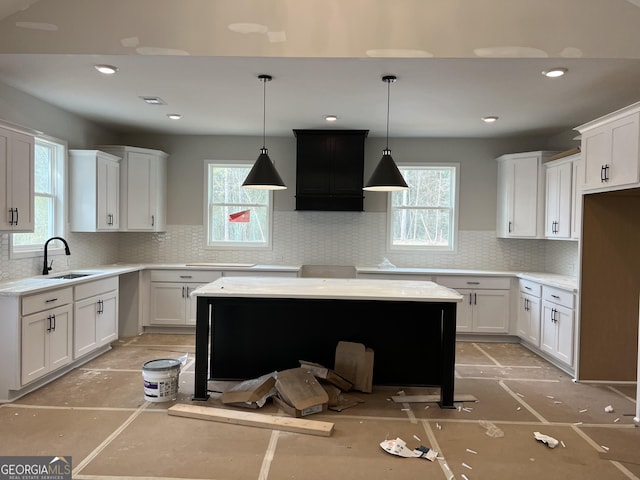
243,216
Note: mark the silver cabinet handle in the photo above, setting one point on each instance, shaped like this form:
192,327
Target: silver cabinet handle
473,283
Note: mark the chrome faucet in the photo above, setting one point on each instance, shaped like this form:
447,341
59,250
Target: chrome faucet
47,267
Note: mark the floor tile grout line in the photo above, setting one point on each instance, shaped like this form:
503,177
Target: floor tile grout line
406,407
486,354
269,455
599,449
523,403
510,379
433,441
623,395
89,458
495,366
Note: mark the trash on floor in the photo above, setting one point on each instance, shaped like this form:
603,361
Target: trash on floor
354,362
299,393
252,393
546,439
320,371
399,447
608,409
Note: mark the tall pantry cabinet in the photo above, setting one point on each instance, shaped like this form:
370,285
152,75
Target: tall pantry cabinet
143,188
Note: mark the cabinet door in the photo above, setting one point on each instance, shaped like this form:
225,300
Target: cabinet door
529,319
313,164
168,303
107,319
491,311
504,196
191,303
139,187
564,323
35,346
525,198
548,329
108,195
464,311
558,201
16,181
84,328
61,339
576,201
596,152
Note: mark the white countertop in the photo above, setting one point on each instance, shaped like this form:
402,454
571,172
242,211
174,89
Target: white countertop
328,288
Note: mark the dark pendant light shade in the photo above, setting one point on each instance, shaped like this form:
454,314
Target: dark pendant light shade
263,175
386,177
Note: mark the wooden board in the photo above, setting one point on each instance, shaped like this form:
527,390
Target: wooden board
458,397
251,419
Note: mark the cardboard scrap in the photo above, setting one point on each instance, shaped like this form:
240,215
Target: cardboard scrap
251,393
354,362
319,371
549,441
300,390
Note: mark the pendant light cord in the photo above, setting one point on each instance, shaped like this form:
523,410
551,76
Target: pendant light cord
388,103
264,112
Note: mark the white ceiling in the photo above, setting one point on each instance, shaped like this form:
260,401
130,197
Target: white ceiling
456,61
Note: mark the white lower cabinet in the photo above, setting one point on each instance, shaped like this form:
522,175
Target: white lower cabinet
95,315
557,324
529,303
171,303
485,306
46,333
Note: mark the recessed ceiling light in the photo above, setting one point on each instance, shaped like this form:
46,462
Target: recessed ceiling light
174,116
490,119
153,100
330,118
106,69
555,72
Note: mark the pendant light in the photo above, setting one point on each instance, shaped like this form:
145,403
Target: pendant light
263,174
386,177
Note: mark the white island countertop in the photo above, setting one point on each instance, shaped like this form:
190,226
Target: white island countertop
328,288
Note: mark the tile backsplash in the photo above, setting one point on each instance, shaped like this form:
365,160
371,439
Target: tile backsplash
319,238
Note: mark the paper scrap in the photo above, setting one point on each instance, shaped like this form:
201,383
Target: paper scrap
466,466
492,430
399,447
472,451
583,410
608,409
546,439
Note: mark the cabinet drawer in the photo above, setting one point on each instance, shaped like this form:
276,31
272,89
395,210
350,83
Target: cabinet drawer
532,288
486,283
46,300
198,276
556,295
96,287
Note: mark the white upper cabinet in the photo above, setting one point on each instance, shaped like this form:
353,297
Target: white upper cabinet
558,198
521,189
143,187
94,188
16,181
610,149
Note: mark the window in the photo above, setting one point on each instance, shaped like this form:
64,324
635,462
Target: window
424,217
235,216
49,157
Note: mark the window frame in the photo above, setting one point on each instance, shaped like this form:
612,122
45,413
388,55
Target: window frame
267,245
60,204
452,247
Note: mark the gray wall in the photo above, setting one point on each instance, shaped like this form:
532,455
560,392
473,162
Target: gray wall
476,158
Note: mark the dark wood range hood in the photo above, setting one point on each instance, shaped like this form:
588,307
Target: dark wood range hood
330,169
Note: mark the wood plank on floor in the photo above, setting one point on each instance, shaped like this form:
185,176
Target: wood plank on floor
461,397
288,424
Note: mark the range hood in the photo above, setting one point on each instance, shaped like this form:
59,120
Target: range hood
330,169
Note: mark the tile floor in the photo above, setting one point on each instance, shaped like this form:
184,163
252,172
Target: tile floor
98,415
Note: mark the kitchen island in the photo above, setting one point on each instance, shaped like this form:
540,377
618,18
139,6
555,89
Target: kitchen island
255,325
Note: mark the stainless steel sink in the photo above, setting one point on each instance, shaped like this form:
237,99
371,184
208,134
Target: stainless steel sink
70,276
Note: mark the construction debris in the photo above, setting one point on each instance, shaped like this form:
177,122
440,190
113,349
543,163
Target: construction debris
251,393
237,417
399,447
546,439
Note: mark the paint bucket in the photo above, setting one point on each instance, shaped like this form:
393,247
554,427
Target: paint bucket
161,378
